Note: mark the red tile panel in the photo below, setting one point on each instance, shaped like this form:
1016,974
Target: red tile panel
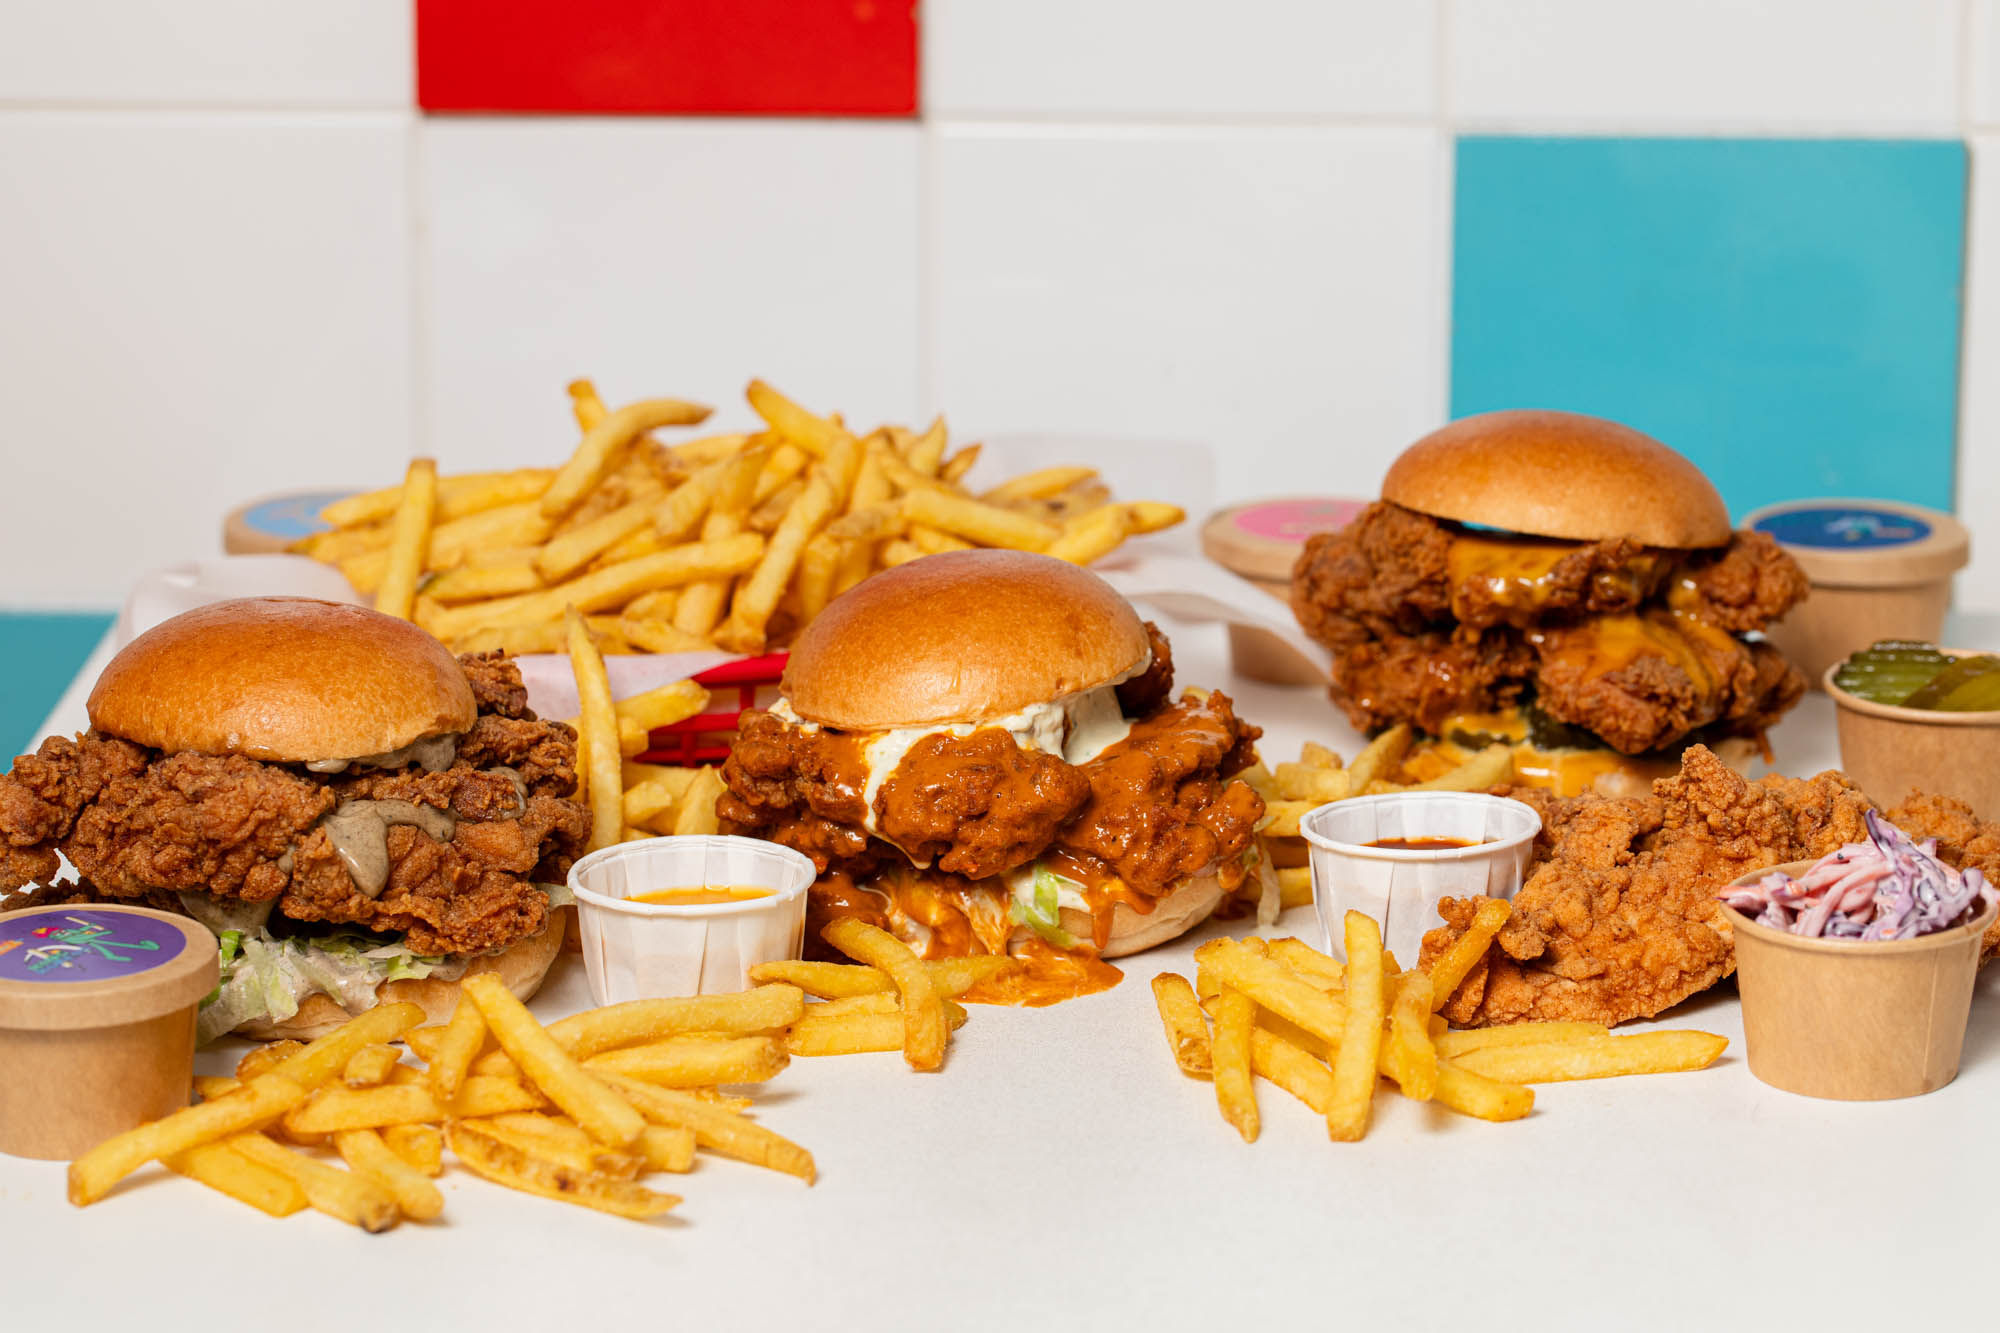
677,57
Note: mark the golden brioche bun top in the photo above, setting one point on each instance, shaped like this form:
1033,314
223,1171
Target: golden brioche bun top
285,679
961,637
1559,474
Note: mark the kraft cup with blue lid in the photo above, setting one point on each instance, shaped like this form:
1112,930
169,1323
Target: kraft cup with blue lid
1879,569
1401,888
645,951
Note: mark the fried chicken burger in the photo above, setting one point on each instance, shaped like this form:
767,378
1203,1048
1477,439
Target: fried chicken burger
980,752
1560,583
358,815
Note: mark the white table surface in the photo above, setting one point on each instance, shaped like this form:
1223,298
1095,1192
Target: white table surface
1060,1173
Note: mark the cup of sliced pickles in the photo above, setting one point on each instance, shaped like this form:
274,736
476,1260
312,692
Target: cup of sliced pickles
1913,715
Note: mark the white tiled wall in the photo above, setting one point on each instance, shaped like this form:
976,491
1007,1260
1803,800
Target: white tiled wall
233,259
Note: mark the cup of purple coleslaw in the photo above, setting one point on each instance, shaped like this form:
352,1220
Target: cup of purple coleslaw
1856,970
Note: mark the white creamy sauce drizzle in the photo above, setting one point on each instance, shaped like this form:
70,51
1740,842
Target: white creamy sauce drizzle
1076,728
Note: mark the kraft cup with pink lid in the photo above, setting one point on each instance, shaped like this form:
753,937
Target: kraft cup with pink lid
1401,888
644,951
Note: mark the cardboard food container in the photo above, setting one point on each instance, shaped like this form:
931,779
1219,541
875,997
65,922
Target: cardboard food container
1850,1020
1260,541
1889,750
1879,569
97,1014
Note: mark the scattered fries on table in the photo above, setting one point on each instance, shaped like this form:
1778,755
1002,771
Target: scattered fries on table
1329,1034
731,541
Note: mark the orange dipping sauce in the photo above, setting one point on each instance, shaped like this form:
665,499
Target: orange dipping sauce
1422,844
703,897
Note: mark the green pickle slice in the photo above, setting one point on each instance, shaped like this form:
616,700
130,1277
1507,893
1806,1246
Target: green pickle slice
1890,671
1970,684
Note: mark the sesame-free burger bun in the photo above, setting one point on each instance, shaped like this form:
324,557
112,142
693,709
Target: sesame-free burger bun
1190,903
282,679
1559,474
965,636
521,966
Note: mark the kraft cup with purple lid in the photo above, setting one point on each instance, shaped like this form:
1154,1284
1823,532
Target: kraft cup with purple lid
1400,889
644,951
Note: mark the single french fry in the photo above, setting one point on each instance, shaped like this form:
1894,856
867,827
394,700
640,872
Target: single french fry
1491,767
1091,536
1448,973
1271,984
933,542
716,1128
926,451
925,1031
368,1156
457,497
599,450
1292,1068
484,1094
1407,1054
814,434
641,804
333,1109
1234,1094
988,525
600,728
566,554
953,470
661,636
506,1164
370,1065
1153,515
223,1169
953,977
353,1199
604,1115
695,816
667,1149
663,705
1281,818
637,1022
210,1086
695,1062
609,587
1037,485
1476,1095
757,597
857,1025
421,1146
561,1142
819,563
1379,758
1187,1029
457,1046
1320,969
1295,886
409,540
1455,1044
319,1060
1602,1057
263,1059
678,516
781,467
501,576
1356,1063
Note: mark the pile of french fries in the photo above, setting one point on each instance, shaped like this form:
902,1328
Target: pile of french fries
1320,776
727,541
1329,1033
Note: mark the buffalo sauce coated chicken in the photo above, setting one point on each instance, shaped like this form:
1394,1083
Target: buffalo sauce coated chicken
965,808
1429,621
140,825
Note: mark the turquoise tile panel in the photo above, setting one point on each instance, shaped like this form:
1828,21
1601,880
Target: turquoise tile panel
40,653
1784,312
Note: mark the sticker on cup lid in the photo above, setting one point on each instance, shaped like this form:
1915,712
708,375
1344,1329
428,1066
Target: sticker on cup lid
1843,528
86,945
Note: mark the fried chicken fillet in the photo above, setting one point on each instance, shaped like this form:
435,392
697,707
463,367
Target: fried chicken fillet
1619,916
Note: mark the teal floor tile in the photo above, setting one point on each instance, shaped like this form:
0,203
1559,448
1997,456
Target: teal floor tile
39,656
1784,312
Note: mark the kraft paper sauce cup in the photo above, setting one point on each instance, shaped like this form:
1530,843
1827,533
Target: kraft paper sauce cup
643,951
1888,750
97,1021
1400,889
1855,1020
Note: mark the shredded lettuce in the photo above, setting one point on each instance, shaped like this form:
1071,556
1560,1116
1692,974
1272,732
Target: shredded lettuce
267,978
1041,912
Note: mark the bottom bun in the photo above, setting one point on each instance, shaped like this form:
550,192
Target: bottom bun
520,966
1190,904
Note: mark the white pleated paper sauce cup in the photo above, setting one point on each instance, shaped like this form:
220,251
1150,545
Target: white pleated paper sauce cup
1400,889
646,951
